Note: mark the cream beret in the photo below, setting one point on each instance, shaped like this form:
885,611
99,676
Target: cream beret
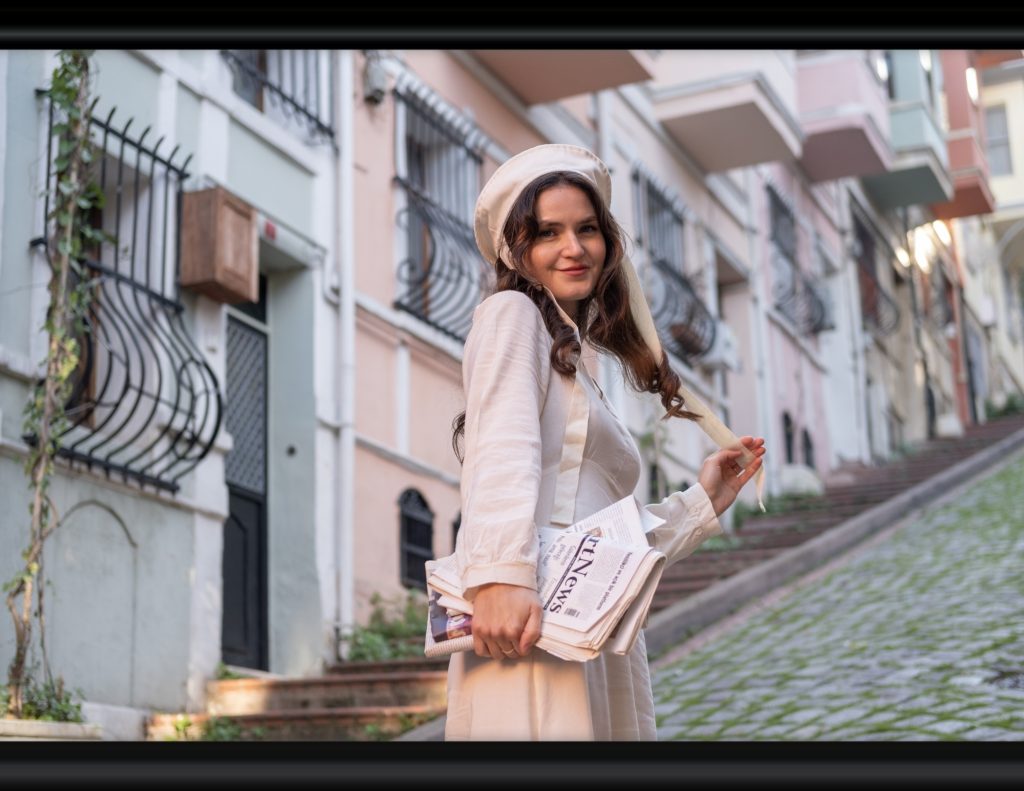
508,181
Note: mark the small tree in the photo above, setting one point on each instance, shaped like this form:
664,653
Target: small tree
73,195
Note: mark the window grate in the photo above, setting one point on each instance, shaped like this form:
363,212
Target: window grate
293,84
879,310
680,315
443,277
146,404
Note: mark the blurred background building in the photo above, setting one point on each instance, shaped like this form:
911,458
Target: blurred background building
832,243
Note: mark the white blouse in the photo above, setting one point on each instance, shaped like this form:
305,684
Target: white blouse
517,408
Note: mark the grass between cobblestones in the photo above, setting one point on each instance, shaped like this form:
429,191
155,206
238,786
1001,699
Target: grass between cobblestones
900,643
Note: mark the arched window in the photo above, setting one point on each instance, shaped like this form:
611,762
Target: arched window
417,538
808,444
655,484
456,524
787,432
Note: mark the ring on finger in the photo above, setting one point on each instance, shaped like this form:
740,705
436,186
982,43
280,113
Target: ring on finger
508,653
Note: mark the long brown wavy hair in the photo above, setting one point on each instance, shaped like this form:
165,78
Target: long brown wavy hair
604,318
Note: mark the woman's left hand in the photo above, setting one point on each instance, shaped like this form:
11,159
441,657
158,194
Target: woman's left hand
722,476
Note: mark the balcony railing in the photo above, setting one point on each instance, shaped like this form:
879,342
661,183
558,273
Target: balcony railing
797,297
684,323
879,310
293,82
442,278
145,404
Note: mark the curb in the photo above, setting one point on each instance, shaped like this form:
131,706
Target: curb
679,621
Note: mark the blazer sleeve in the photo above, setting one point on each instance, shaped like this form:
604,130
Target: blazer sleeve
689,520
506,370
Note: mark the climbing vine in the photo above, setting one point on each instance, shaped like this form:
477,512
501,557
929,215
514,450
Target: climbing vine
73,194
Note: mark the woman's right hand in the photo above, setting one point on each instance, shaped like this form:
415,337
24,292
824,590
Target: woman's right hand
506,620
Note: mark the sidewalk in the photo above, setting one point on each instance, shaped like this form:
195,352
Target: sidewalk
914,635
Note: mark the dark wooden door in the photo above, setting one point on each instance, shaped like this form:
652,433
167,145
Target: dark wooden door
244,625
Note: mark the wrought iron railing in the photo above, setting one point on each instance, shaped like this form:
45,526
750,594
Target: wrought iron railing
297,83
145,405
797,297
940,309
879,310
442,277
684,323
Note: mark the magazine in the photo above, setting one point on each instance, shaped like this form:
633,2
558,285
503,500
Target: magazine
596,579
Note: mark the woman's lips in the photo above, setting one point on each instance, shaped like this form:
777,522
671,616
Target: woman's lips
576,271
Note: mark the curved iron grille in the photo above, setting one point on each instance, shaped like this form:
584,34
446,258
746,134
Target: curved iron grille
940,310
679,314
879,310
296,81
443,276
145,403
797,297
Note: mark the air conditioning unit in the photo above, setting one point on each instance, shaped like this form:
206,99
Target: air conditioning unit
724,351
987,311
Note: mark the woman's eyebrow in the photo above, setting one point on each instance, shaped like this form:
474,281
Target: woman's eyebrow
556,223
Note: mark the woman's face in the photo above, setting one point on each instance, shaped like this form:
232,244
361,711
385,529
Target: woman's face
568,254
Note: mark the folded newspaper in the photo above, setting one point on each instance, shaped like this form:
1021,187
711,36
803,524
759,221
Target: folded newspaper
596,580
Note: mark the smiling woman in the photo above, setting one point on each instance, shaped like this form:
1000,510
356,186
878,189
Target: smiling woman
568,255
544,447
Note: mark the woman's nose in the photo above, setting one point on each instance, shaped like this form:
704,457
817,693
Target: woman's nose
573,248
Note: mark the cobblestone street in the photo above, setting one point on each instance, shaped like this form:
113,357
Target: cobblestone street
917,636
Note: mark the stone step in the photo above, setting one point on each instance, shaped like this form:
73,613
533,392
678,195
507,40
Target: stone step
390,665
336,690
365,723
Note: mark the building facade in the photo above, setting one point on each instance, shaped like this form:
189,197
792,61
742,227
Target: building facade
830,242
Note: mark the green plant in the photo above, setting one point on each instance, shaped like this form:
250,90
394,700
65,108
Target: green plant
49,701
1013,405
74,196
223,673
393,631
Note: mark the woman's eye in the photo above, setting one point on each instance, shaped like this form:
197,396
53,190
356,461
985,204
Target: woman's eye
588,228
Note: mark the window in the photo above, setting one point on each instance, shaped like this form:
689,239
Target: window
808,448
997,139
145,404
456,524
787,433
890,79
293,86
925,56
442,276
416,539
678,309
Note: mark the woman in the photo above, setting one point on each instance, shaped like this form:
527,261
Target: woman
543,446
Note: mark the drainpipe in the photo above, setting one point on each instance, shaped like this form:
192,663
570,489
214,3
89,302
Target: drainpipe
929,397
344,613
602,110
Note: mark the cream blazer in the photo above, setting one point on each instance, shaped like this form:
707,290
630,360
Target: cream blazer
517,411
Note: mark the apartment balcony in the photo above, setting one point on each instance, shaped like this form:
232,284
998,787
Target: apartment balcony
920,169
547,75
968,165
844,114
968,168
728,108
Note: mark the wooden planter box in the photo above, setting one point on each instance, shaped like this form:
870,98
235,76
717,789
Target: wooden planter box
219,246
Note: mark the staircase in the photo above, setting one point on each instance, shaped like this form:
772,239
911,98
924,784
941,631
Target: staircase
852,490
353,701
